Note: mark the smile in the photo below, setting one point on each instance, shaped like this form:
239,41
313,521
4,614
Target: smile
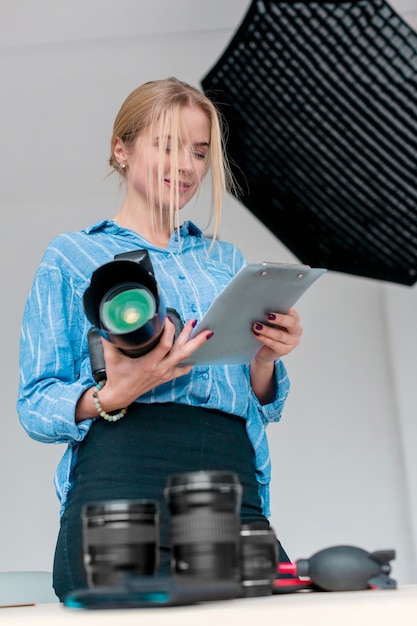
183,186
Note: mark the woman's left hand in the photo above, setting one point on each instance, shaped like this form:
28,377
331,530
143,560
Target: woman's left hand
279,335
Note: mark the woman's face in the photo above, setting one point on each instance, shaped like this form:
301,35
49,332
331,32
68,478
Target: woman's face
193,151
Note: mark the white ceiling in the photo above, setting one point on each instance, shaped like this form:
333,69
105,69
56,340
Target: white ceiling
29,22
34,22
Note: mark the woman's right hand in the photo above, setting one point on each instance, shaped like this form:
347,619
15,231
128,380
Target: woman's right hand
128,378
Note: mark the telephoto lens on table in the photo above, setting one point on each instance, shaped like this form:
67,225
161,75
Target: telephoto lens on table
205,524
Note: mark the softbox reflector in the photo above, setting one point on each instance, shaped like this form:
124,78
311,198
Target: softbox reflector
320,99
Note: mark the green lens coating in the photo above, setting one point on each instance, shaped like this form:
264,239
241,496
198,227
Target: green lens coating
127,310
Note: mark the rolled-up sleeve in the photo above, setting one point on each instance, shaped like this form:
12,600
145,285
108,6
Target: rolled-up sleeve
54,369
272,411
258,417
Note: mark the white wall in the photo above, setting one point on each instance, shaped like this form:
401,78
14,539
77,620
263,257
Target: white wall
343,456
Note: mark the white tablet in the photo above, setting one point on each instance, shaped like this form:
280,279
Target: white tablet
257,289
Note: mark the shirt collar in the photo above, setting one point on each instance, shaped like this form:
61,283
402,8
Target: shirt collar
188,228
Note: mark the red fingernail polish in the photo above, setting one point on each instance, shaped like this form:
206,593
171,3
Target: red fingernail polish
194,323
210,335
258,326
271,316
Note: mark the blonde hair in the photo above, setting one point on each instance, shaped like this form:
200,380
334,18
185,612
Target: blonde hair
154,109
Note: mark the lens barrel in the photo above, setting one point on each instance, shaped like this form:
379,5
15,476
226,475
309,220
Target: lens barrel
120,540
259,551
120,301
205,524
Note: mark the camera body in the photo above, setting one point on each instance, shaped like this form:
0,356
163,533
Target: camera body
123,303
125,307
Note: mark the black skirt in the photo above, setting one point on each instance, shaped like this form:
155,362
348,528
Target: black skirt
132,458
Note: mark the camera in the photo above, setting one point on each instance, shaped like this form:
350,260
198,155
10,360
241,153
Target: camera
125,307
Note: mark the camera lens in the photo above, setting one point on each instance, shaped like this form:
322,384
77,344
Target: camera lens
127,307
259,551
120,539
205,524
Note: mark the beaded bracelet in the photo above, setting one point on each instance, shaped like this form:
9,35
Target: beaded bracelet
109,417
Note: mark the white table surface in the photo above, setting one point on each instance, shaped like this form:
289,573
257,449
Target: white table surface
354,608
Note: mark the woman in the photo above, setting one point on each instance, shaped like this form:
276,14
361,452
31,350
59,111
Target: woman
160,417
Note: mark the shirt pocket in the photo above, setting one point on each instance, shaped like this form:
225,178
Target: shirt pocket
220,273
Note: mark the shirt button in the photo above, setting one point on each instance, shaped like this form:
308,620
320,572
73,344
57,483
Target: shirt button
193,308
181,277
205,376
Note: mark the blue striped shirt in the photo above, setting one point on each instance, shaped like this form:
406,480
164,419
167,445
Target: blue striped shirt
54,359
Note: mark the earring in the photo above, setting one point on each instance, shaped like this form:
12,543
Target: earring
122,165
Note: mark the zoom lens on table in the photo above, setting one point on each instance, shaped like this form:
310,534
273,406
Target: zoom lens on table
120,540
205,524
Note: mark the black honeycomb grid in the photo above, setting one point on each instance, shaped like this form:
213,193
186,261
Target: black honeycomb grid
320,100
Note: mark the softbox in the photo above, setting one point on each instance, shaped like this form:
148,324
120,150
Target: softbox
320,99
